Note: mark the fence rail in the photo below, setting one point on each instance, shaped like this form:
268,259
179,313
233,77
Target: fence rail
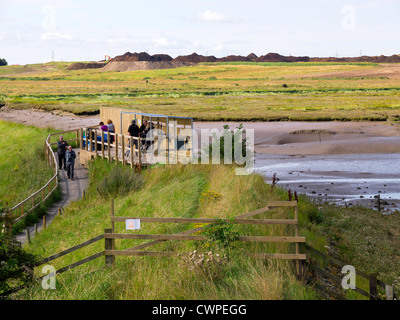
109,237
372,278
29,204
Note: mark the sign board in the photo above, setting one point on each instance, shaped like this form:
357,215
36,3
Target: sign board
132,224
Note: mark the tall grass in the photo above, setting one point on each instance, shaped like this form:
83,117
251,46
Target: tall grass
167,191
22,162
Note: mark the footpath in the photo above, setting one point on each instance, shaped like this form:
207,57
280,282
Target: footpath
71,191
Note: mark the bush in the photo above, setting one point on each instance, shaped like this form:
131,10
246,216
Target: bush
119,181
3,62
236,140
15,266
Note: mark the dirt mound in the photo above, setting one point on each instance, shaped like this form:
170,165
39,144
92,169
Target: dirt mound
141,56
195,58
88,65
276,57
161,57
252,56
376,59
233,58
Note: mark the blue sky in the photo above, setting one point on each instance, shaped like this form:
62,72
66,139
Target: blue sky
34,31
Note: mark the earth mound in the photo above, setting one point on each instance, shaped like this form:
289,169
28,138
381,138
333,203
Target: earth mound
195,58
141,56
276,57
233,58
375,59
86,65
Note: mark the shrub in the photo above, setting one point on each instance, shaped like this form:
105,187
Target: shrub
119,181
15,266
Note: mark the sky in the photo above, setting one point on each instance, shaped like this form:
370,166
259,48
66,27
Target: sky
38,31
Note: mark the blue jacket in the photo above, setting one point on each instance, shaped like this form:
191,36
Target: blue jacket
70,157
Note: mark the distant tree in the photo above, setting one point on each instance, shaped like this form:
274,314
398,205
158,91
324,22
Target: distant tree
3,62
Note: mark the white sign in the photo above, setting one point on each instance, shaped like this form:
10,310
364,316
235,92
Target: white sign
132,224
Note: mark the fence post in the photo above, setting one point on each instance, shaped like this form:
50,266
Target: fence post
112,215
81,139
116,147
102,145
123,149
28,236
44,222
389,292
373,287
110,259
109,146
297,244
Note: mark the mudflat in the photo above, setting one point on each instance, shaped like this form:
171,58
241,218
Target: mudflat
312,138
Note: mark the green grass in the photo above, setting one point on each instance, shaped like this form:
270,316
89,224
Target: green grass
168,191
361,237
22,165
210,92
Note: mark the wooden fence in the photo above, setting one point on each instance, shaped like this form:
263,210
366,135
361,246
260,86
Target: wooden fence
374,283
109,236
112,146
133,151
22,209
304,263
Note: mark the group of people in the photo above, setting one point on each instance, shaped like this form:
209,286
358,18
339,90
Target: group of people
140,132
109,127
66,157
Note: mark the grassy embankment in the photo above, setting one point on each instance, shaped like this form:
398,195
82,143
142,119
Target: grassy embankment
168,191
223,91
23,167
361,237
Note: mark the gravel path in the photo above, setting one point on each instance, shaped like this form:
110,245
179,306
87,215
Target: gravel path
71,191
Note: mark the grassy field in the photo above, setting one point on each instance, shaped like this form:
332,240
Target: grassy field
361,237
222,91
168,191
22,164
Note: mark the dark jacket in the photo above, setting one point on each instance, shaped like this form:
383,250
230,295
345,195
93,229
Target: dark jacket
134,130
61,147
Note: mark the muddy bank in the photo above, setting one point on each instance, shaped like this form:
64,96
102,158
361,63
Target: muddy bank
306,138
42,119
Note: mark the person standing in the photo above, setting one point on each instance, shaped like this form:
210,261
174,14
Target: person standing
61,148
111,128
134,131
70,157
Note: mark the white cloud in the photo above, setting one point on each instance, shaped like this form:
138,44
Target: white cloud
211,16
165,42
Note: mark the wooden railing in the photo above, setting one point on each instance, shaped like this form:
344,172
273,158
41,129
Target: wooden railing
112,146
129,150
26,206
110,251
